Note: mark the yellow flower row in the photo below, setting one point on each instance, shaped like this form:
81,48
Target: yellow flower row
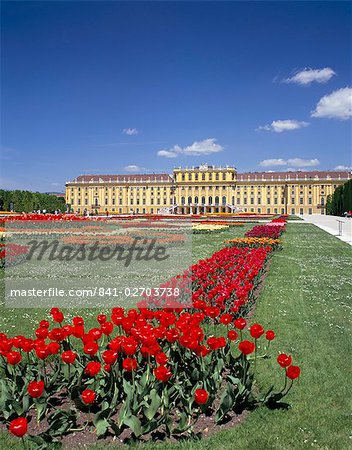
209,227
254,241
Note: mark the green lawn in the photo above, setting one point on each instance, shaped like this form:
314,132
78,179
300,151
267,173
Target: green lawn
307,301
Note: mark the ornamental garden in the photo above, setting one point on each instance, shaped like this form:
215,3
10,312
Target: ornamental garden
258,356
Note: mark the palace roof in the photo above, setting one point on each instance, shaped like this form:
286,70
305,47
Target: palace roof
130,178
293,176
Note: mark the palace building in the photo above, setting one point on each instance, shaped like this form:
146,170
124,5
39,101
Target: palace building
205,189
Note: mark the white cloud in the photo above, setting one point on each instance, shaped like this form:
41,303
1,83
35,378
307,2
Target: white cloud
273,162
198,148
130,131
307,76
337,105
297,162
278,126
132,168
342,168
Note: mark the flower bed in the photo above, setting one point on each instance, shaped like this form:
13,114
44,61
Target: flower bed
220,222
255,242
227,280
12,254
48,217
208,228
272,230
138,372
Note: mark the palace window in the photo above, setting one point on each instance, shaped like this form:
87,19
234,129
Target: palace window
224,200
301,201
189,200
216,200
216,176
196,200
203,176
268,200
183,201
210,200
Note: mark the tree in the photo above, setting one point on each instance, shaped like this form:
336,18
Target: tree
27,201
341,200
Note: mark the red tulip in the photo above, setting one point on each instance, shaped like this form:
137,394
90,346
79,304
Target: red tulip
270,335
256,331
232,335
162,373
13,358
161,358
284,360
92,368
35,389
129,364
109,356
293,372
88,396
18,427
107,328
101,318
240,323
91,348
246,347
69,357
201,396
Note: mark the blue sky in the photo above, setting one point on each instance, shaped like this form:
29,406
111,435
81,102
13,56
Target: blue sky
123,87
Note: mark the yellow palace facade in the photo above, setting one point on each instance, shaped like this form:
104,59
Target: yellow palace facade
204,189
